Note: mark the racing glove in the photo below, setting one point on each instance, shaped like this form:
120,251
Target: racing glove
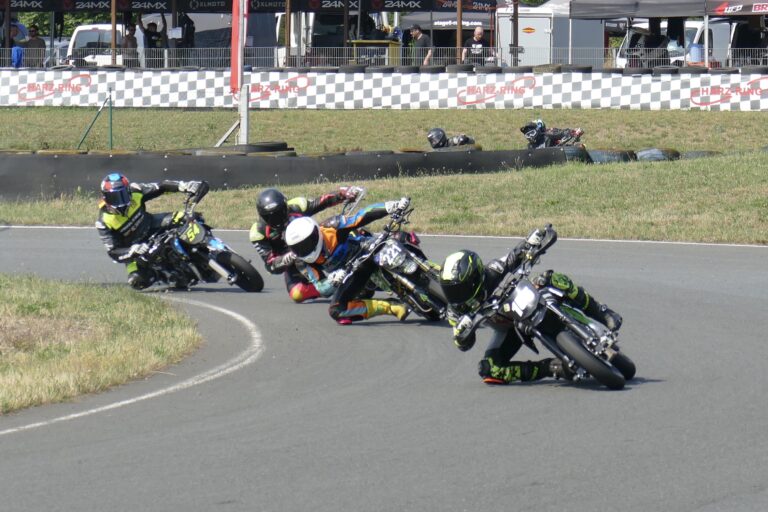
351,193
401,205
463,334
136,250
337,277
190,187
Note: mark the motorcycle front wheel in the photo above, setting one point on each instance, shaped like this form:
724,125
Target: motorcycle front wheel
605,374
624,365
248,278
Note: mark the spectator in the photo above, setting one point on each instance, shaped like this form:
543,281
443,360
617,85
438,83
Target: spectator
476,49
15,42
16,37
154,41
35,53
130,47
422,46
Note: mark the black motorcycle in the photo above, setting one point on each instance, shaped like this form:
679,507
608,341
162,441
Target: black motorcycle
402,268
187,253
539,313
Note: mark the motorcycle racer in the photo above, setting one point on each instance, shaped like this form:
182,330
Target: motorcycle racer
267,234
438,139
328,247
124,224
539,136
468,285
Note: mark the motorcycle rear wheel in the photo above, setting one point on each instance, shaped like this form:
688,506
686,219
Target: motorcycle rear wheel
605,374
624,365
248,278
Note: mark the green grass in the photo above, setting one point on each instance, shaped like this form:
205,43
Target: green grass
719,199
324,130
60,340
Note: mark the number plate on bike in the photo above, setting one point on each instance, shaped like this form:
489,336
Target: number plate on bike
192,233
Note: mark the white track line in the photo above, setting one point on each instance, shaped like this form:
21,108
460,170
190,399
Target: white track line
488,237
249,356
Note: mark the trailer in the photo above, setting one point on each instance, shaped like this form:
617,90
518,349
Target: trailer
547,35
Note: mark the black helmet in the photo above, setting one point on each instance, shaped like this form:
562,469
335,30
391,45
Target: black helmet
273,207
462,280
533,130
437,138
116,192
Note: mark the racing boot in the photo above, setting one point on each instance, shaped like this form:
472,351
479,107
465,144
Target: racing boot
378,307
554,367
140,279
603,313
525,371
367,308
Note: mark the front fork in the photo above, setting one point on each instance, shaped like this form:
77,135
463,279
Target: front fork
601,346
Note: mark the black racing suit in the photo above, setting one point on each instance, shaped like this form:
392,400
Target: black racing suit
119,232
497,366
551,137
457,140
269,242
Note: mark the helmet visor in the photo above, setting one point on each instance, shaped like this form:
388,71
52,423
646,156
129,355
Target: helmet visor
308,249
119,198
459,293
275,215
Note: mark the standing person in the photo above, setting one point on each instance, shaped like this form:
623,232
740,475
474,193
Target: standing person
35,53
124,224
154,41
422,46
476,49
268,235
130,47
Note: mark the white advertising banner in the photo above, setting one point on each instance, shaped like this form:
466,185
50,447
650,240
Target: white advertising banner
209,88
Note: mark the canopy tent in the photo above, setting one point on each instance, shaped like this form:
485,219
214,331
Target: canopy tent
741,8
607,9
441,20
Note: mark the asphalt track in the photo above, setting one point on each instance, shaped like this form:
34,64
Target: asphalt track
299,414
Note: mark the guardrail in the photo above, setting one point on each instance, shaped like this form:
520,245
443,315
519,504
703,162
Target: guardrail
362,54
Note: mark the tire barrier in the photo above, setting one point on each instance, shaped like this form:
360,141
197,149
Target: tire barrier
66,171
57,173
657,154
606,156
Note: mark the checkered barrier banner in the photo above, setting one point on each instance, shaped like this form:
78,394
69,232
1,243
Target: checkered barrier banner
386,90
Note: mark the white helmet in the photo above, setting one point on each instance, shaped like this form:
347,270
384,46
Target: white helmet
304,238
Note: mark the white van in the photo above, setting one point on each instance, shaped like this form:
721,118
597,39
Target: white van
632,54
90,45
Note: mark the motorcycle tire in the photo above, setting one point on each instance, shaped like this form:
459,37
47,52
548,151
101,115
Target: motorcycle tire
248,278
624,365
603,372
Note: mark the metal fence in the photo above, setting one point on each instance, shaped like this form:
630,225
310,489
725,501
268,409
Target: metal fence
387,55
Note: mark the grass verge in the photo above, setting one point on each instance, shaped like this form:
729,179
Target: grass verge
720,199
60,340
311,131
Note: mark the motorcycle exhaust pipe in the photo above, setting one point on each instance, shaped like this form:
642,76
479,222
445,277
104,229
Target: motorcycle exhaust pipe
219,269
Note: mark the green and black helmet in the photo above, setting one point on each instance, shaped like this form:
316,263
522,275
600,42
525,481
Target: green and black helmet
462,280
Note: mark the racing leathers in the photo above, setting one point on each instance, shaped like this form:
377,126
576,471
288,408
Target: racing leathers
497,366
342,239
269,242
124,235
